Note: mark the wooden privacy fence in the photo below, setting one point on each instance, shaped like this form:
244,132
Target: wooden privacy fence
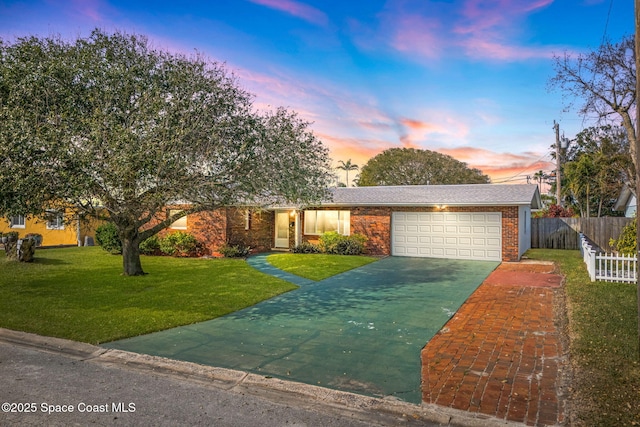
563,233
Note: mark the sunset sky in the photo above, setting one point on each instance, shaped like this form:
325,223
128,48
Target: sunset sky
467,78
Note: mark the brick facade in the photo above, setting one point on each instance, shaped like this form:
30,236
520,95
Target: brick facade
229,225
209,228
257,234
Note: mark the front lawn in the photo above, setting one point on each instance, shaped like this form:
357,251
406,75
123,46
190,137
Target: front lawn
603,333
317,266
80,294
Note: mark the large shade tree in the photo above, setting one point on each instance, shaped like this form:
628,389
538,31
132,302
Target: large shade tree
410,166
117,129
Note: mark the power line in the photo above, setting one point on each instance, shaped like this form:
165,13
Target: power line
531,166
606,24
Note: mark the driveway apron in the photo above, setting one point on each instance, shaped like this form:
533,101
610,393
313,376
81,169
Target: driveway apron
360,331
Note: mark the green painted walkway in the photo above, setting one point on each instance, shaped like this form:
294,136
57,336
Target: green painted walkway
360,331
259,262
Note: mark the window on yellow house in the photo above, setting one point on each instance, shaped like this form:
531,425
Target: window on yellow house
179,224
17,221
318,222
55,220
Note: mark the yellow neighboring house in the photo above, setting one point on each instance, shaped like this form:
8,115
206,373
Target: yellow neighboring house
55,229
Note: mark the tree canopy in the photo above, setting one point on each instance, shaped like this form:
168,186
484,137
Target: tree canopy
410,166
604,82
110,124
596,167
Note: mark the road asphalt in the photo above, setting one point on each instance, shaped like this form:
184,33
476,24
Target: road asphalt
56,382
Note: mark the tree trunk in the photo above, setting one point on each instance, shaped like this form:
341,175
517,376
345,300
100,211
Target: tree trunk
588,205
600,207
131,257
627,123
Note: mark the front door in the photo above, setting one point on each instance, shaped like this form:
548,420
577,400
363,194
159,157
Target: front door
282,229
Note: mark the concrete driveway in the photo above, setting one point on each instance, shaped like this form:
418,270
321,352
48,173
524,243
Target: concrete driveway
360,331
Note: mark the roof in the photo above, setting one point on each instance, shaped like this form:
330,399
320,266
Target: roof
438,195
625,197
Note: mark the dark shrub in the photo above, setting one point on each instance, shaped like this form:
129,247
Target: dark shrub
306,248
179,244
349,247
334,243
107,237
234,251
329,242
150,246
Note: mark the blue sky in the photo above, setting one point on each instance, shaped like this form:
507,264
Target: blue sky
466,78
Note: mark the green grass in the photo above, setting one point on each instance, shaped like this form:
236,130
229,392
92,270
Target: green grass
317,266
603,333
80,294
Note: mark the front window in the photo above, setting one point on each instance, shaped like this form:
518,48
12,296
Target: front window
180,223
318,222
55,220
17,221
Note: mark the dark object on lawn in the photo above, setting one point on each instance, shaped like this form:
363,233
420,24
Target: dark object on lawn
21,250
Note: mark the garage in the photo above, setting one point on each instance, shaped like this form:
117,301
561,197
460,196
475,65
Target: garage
455,235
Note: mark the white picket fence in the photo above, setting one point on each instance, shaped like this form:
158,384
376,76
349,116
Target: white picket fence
608,267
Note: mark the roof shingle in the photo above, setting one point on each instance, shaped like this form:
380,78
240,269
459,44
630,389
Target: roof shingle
431,195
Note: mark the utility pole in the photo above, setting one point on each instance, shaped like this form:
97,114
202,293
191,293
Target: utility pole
637,45
556,126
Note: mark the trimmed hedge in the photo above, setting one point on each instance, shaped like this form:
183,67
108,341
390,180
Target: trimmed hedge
337,244
234,251
107,237
179,244
150,246
306,248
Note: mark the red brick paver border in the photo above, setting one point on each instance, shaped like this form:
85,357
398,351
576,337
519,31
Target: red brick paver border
501,354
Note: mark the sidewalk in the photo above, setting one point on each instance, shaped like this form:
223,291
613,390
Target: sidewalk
501,355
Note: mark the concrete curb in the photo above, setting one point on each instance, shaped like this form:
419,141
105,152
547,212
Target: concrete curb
376,410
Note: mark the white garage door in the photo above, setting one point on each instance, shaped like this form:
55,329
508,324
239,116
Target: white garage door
457,235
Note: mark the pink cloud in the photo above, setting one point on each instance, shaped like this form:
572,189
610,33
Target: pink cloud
88,9
436,125
482,15
419,125
297,9
418,35
417,131
375,125
485,26
500,167
479,48
476,28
